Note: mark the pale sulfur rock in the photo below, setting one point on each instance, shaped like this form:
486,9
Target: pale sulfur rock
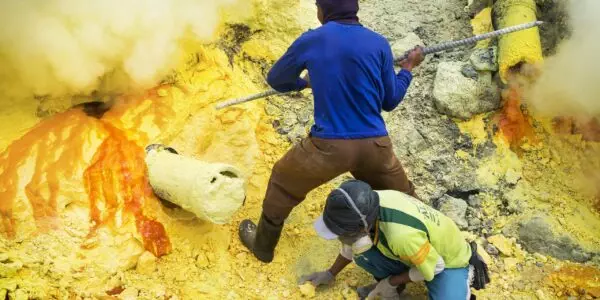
10,268
349,294
113,254
129,293
146,263
462,97
512,176
510,263
540,295
212,191
540,257
10,285
409,42
308,290
503,244
484,255
19,295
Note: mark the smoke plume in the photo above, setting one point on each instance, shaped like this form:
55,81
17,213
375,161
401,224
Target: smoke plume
59,47
569,84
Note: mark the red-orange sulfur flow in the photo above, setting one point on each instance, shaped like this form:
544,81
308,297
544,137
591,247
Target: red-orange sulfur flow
115,179
69,128
514,124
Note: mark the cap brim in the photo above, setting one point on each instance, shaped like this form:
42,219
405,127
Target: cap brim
323,231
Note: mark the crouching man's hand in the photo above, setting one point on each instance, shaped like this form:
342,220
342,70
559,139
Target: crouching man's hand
318,278
385,290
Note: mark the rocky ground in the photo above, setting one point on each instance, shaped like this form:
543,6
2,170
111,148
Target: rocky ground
525,205
448,160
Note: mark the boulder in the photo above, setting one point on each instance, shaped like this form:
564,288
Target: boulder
460,97
485,59
537,235
410,41
455,209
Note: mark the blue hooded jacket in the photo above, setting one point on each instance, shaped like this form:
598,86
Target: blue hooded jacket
351,71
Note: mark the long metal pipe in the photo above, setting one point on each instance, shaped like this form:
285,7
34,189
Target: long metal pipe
428,50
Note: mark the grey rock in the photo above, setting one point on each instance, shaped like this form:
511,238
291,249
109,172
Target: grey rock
458,96
580,255
596,260
475,6
304,116
455,209
513,202
536,235
406,138
474,201
401,46
469,72
485,59
474,222
492,250
289,119
296,134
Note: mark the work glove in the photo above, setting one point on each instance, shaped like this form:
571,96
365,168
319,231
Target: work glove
481,275
318,278
384,290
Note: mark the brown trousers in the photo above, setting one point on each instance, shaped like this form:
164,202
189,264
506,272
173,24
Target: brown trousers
315,161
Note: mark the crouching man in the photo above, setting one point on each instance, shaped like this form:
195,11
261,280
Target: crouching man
398,240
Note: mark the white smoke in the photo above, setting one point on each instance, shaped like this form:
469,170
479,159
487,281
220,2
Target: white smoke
58,47
569,84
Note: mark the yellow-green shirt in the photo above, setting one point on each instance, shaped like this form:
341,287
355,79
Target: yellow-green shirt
417,235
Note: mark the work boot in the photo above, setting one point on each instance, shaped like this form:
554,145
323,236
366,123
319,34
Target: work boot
261,240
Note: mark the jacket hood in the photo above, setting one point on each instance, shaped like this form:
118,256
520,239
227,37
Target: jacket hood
343,11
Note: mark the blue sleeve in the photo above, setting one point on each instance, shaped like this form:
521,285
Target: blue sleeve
395,85
284,76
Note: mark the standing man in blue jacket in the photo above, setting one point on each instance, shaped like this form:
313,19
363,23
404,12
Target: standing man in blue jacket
352,76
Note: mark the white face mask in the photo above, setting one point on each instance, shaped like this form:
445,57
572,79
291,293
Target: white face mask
364,243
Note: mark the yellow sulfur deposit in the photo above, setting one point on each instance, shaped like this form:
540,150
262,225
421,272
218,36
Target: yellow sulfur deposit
307,290
482,23
88,235
519,47
79,220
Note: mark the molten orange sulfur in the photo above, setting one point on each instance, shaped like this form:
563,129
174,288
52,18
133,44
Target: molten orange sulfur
513,123
117,176
115,180
69,128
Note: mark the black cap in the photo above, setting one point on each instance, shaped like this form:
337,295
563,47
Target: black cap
341,218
